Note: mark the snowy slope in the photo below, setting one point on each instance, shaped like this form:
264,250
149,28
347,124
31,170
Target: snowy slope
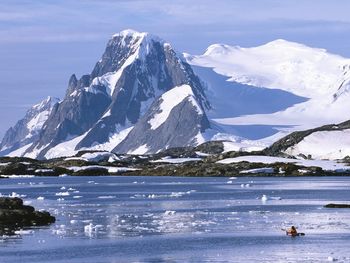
323,145
319,77
169,100
296,68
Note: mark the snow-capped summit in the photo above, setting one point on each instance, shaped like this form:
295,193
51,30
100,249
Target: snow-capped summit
128,32
27,130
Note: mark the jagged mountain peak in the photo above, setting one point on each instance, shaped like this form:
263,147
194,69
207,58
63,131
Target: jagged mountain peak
135,69
123,48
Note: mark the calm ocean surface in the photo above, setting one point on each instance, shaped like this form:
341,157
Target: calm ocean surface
182,219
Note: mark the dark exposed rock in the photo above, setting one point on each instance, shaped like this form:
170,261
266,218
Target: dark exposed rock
337,206
212,147
14,215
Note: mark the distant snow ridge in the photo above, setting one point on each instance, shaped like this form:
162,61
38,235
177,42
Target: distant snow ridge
321,78
27,130
279,64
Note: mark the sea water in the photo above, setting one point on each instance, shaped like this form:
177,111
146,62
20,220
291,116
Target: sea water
181,219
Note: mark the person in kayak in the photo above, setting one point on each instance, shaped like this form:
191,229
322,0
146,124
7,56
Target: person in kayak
292,231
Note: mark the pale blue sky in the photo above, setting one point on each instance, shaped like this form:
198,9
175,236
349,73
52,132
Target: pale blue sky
43,42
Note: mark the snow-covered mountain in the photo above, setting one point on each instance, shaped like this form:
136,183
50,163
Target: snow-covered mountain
27,130
143,97
320,81
100,109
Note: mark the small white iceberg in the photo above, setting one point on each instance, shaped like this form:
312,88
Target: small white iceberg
264,198
169,212
62,194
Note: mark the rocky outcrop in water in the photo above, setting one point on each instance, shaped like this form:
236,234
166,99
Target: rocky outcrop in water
337,206
15,215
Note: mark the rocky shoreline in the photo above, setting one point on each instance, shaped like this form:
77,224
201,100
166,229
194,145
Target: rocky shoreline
208,159
14,215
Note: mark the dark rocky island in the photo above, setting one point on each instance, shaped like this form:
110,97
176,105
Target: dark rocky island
14,215
337,206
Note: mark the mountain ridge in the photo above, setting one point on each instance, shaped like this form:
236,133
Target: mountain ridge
249,96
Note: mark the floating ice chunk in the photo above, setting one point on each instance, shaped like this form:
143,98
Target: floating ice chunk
62,194
88,228
91,229
60,231
63,188
177,194
77,196
106,196
60,199
73,221
24,232
40,198
233,178
71,189
20,176
264,198
229,182
169,212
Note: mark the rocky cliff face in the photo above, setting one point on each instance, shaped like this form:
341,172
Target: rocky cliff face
175,119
